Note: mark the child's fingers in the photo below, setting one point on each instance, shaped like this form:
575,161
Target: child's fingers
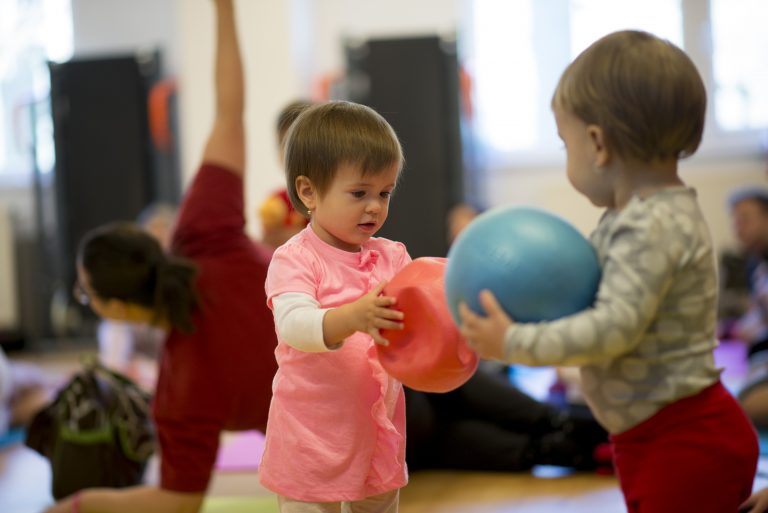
492,306
389,313
383,324
489,303
466,314
468,323
468,328
384,301
378,289
376,335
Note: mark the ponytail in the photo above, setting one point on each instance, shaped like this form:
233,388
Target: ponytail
175,296
124,262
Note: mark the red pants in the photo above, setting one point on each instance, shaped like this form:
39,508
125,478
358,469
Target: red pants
696,455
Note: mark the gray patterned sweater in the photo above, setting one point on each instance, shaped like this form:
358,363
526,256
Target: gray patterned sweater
649,338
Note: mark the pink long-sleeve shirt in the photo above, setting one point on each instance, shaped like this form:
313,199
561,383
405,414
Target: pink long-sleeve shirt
336,429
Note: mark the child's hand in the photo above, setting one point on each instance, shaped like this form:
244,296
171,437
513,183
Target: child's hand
485,334
372,313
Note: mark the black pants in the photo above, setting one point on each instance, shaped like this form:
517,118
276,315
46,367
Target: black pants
486,424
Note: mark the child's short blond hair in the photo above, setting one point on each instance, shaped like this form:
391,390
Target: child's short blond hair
644,92
329,135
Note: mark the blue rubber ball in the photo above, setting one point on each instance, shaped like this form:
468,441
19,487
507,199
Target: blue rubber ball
537,265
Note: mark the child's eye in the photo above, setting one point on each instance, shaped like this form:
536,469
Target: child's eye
358,194
386,194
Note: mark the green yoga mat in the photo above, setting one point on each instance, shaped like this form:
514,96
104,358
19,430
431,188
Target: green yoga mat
240,505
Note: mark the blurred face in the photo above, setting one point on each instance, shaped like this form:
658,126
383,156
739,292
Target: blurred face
85,295
353,208
112,309
750,224
581,158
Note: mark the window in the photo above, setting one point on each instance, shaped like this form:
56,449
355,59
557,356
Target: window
740,63
32,32
592,19
515,51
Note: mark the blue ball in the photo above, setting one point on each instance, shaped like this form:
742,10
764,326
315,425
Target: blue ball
537,265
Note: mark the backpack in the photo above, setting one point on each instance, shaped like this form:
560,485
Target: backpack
97,432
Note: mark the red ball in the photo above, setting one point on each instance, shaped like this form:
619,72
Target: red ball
429,353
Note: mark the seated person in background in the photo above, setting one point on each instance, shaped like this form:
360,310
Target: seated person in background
279,220
24,389
749,211
488,424
733,296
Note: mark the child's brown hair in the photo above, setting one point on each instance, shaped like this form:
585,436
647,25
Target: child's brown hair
286,117
644,92
328,135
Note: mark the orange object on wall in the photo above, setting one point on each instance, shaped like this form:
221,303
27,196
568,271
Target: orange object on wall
158,105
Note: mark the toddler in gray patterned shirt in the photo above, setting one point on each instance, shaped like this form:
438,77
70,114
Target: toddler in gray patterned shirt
627,109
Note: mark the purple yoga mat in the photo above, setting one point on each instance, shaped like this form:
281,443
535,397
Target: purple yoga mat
240,451
731,356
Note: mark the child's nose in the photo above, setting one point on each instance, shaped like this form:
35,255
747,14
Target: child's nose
374,206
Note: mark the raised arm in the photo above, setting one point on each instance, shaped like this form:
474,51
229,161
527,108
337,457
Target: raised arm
226,147
226,142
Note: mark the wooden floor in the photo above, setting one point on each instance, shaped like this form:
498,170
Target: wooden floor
25,485
25,488
459,492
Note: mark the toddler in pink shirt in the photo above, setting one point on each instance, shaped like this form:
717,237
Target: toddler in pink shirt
336,429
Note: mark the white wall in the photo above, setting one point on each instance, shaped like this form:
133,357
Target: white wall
548,187
288,44
114,26
272,80
337,20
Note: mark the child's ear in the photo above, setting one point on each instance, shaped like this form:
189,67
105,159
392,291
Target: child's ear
306,192
599,147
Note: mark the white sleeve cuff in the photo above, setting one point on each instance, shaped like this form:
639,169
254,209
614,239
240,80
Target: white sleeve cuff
299,322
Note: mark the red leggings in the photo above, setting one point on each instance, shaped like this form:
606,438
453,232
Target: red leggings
696,455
